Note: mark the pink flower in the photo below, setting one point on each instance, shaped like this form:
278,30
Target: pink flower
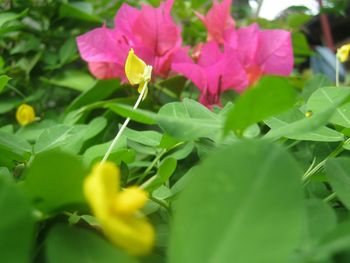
215,72
151,32
218,20
261,52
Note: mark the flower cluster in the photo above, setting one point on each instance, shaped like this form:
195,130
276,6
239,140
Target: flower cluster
231,59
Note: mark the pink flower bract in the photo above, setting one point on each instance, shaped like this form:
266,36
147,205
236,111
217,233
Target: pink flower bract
262,52
151,32
218,20
215,72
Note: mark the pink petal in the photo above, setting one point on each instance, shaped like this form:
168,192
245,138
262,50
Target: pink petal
100,44
105,70
210,54
275,53
124,20
193,72
156,30
247,44
218,20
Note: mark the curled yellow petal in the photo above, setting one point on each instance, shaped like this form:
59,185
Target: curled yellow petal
134,68
130,200
25,114
343,53
118,211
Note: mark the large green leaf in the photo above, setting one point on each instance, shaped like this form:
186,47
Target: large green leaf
338,173
238,205
328,96
55,180
16,224
70,244
272,95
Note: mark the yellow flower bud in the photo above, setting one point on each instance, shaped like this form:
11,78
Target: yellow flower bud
343,53
137,72
117,211
25,114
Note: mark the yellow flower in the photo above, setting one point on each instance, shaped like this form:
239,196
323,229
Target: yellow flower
137,72
343,53
25,114
118,211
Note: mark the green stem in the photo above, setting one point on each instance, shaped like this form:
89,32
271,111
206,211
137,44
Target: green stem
320,165
149,168
330,197
160,202
336,72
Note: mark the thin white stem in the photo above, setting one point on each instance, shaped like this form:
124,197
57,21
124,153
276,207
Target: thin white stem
336,72
116,138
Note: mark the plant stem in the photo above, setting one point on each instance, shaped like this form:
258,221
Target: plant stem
149,168
314,170
330,197
116,138
336,72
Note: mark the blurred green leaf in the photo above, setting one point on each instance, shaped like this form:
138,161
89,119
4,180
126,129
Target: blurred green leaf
80,11
73,79
338,173
246,208
70,244
272,95
55,180
16,224
3,81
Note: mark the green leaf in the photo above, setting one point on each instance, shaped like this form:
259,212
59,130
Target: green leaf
9,16
292,131
80,11
338,173
316,82
13,147
55,180
68,51
3,81
127,111
101,90
149,138
271,96
165,170
16,224
326,97
238,205
312,123
73,79
70,244
188,120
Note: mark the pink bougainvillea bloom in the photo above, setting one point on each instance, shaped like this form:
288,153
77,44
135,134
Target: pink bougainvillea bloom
151,32
218,20
262,52
215,72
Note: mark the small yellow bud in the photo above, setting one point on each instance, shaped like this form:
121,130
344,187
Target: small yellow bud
25,114
343,53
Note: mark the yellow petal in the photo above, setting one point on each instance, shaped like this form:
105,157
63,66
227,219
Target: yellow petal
134,68
343,53
134,234
25,114
101,188
129,201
